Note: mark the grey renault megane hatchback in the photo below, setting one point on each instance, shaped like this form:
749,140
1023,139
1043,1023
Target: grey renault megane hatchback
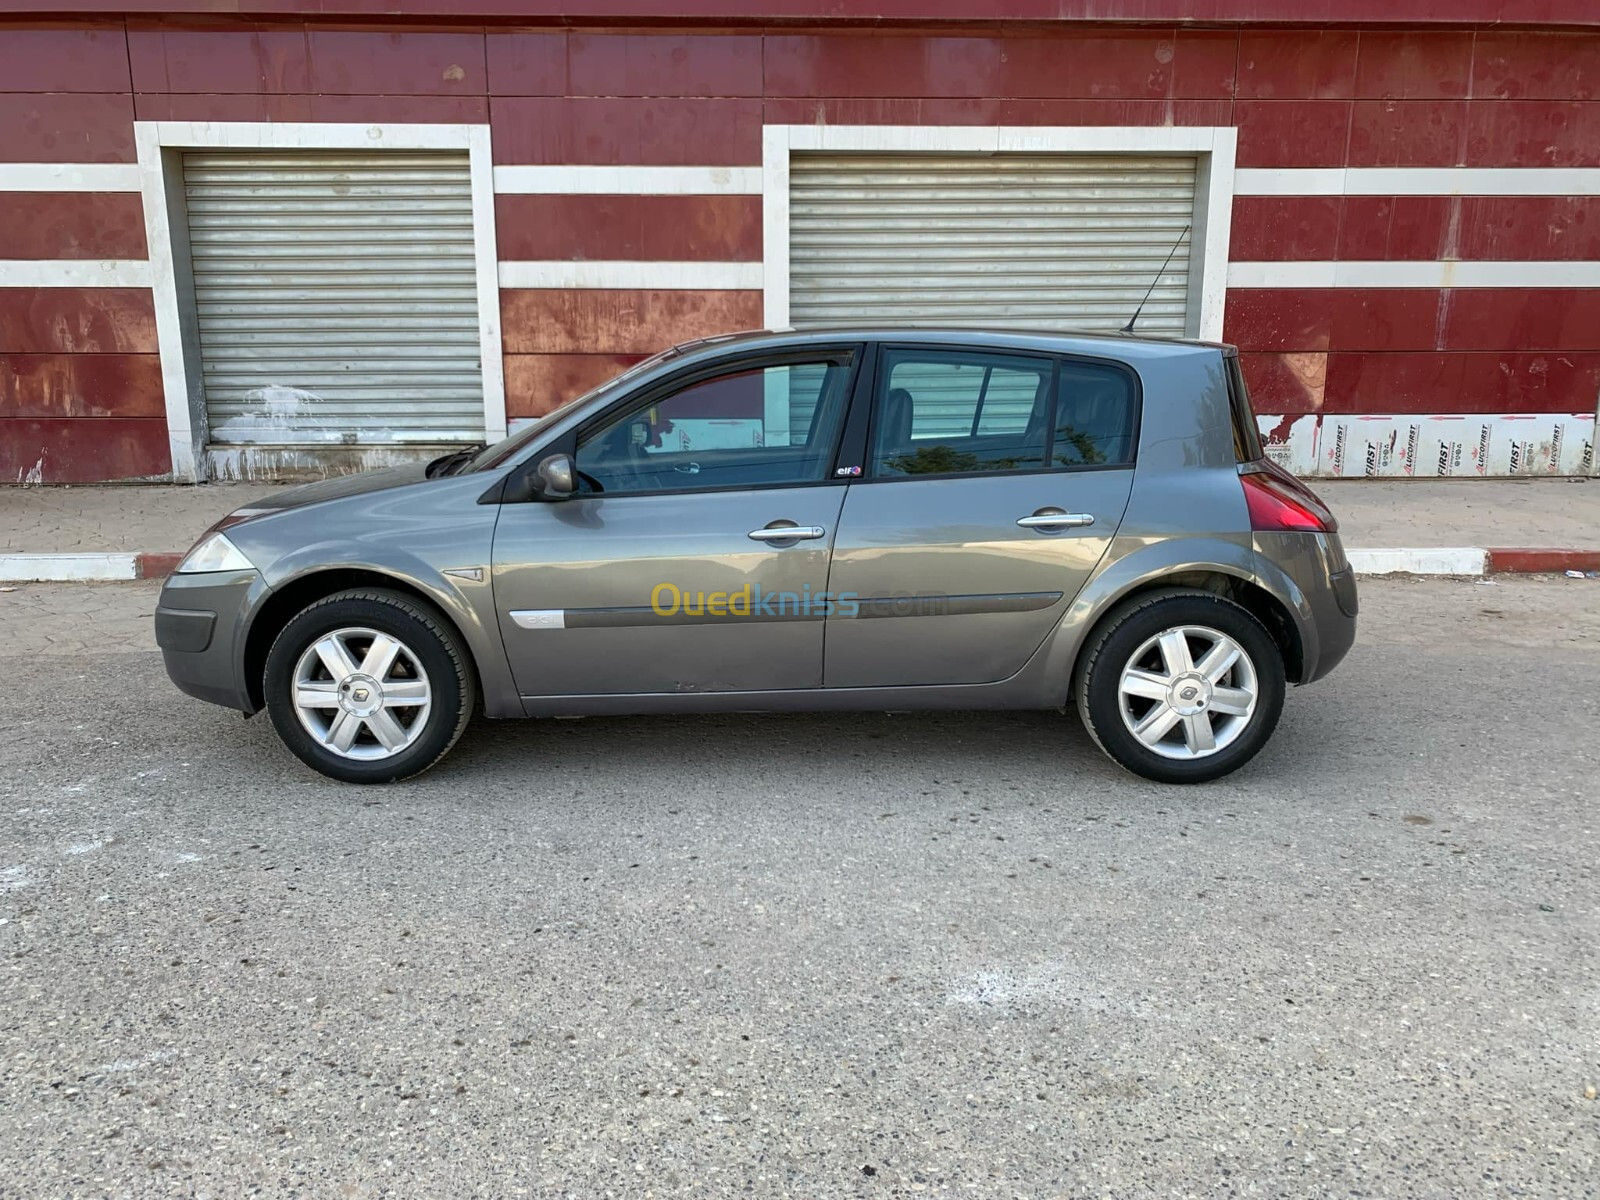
840,519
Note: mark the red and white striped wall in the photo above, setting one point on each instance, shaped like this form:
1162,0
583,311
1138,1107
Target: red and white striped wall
1413,274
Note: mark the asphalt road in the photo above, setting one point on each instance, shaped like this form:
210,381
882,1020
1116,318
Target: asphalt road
810,956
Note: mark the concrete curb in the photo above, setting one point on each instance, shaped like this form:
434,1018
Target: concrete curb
1435,560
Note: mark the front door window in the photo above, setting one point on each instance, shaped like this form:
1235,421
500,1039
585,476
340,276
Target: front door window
767,426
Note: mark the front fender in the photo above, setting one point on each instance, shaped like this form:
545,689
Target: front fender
1133,564
467,603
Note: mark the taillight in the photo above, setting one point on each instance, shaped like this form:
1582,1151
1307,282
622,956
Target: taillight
1280,503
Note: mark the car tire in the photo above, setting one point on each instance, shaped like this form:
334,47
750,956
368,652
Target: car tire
1151,694
398,685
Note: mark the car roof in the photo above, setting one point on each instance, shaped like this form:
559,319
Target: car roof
1091,342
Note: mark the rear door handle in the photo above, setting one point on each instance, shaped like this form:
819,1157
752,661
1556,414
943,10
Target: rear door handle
788,533
1054,518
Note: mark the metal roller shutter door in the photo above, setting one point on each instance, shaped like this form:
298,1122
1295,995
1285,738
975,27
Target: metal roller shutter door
1027,241
336,296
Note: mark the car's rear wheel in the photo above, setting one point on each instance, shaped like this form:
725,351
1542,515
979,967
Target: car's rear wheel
1181,686
369,686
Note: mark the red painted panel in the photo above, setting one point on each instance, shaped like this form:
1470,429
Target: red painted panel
66,127
1414,65
80,58
1291,383
239,106
444,110
1521,319
586,321
1115,112
1417,319
220,60
527,64
76,450
1133,64
1292,133
1382,12
1534,133
1283,64
642,228
1313,319
410,63
664,132
71,225
81,385
1382,318
1408,133
1206,64
77,320
664,65
807,110
540,383
1531,228
1259,319
885,65
1536,66
1280,228
1408,228
1484,382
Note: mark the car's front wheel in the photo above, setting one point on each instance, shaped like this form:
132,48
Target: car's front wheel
369,686
1181,686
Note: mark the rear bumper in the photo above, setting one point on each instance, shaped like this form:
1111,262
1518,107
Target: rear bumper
200,625
1323,597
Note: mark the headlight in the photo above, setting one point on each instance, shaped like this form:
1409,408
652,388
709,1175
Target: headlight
214,552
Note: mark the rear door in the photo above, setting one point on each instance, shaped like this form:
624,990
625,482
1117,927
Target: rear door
992,485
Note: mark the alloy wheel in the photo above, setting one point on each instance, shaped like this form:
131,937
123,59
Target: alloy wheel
361,694
1189,692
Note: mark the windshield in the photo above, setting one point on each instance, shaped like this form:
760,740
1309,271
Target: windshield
502,451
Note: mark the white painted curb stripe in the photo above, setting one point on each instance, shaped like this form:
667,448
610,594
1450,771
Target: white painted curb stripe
1456,560
74,272
1373,274
1417,181
628,181
67,568
693,276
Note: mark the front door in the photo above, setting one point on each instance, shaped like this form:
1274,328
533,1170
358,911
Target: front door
689,560
985,506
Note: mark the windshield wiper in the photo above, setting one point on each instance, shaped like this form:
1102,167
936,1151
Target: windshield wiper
449,464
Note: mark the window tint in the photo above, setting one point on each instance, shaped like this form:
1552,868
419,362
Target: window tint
761,427
1094,416
942,412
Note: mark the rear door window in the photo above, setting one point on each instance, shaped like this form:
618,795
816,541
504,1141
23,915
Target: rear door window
959,412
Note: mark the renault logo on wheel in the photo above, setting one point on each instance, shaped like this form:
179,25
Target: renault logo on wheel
1188,693
361,694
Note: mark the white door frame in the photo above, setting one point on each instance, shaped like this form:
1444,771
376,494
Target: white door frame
1213,145
161,183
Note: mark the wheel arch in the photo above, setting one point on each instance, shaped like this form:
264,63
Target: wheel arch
1246,593
281,605
1133,568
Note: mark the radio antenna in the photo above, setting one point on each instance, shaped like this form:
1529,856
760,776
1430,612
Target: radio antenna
1128,328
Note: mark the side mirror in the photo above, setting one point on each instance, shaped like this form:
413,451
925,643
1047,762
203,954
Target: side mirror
556,478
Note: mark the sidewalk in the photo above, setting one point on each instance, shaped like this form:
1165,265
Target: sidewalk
1437,527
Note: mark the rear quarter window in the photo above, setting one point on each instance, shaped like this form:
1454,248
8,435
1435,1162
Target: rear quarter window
1246,435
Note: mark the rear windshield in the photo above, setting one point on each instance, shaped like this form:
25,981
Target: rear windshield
1246,437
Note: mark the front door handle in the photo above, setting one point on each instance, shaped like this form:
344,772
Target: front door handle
787,532
1055,518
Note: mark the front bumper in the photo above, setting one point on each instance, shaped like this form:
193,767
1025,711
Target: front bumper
200,626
